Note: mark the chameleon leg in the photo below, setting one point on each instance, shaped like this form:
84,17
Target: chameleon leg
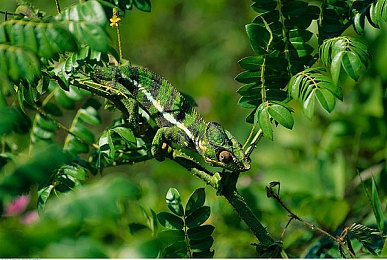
163,139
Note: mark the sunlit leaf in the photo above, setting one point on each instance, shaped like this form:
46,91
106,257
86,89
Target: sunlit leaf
282,115
352,65
308,106
263,119
326,99
173,201
126,133
43,195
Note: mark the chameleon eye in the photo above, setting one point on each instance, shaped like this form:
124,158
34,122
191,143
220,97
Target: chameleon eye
225,156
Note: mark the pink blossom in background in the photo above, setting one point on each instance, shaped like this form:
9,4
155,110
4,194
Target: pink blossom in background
30,217
17,206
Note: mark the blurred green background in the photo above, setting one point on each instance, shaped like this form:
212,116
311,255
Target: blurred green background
196,46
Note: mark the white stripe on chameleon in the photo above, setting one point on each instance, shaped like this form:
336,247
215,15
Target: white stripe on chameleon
165,114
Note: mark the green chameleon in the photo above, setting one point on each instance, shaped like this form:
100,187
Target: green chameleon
177,121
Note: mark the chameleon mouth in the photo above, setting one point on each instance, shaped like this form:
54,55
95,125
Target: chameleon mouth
235,166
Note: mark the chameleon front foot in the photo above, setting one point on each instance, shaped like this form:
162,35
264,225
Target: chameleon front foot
161,152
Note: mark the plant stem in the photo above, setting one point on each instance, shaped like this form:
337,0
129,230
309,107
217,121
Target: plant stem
226,186
254,142
312,226
246,214
57,6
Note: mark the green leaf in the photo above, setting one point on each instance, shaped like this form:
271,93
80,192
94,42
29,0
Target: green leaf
43,195
198,217
171,236
143,5
77,172
377,207
94,36
259,38
336,67
89,115
201,245
74,146
86,21
282,115
263,6
250,90
173,201
201,232
252,62
176,250
126,133
352,65
326,99
19,63
43,39
371,238
83,132
170,221
196,200
359,22
248,102
45,123
263,118
308,106
249,77
63,99
90,11
384,249
106,145
43,134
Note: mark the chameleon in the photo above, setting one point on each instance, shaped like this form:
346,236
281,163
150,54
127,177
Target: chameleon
177,121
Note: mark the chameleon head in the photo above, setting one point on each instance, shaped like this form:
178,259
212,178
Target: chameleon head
220,148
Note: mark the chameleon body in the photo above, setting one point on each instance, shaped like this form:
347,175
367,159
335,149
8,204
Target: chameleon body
177,121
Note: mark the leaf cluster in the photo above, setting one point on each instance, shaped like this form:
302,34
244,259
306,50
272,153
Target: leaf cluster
287,61
186,236
41,60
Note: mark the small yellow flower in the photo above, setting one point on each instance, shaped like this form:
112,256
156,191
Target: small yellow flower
115,19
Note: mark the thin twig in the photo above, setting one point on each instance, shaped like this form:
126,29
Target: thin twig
57,6
312,226
254,142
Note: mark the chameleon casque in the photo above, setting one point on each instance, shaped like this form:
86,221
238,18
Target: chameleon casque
177,121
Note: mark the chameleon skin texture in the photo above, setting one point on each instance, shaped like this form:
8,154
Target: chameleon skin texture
178,121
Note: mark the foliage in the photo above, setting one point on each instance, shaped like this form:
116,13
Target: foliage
55,138
185,234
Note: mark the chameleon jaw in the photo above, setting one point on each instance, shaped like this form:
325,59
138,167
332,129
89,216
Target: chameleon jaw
235,166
